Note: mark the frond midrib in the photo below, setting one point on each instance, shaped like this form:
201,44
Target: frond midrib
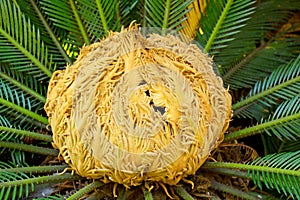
259,128
258,96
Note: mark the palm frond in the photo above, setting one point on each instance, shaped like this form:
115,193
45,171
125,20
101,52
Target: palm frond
64,14
14,100
84,21
16,156
271,144
13,192
275,171
16,183
222,21
274,145
234,191
131,10
85,190
21,45
21,82
285,176
183,193
15,96
284,123
49,34
147,194
288,113
261,62
282,84
7,132
29,148
289,146
267,42
103,12
5,135
166,15
13,155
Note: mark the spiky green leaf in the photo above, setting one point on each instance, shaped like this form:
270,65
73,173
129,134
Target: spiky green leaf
282,84
222,21
263,44
165,15
20,43
284,123
13,192
285,176
14,102
51,35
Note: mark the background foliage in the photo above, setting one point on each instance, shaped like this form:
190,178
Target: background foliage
255,47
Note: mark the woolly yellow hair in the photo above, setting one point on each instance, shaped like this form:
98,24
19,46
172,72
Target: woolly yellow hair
136,108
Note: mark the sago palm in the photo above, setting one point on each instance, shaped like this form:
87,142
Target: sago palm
45,45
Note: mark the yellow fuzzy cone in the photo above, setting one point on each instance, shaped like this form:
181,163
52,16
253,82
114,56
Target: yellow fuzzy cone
136,108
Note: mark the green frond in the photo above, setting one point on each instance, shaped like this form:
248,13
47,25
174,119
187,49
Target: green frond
131,10
64,14
49,34
274,145
21,45
31,169
27,84
289,115
221,22
183,193
284,123
13,182
40,180
17,191
7,132
13,100
147,194
85,190
84,21
271,144
263,44
261,62
15,96
284,175
18,182
275,171
166,15
28,10
235,172
282,84
16,156
29,148
105,13
289,146
234,191
6,135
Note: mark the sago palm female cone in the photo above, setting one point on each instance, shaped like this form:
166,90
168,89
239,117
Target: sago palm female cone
103,117
194,100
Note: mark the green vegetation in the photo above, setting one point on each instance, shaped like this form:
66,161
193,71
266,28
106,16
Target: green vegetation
255,48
